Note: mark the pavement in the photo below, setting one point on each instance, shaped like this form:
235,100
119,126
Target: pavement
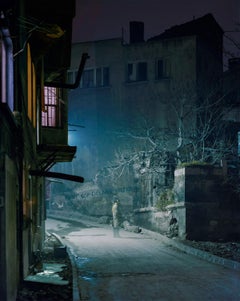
75,217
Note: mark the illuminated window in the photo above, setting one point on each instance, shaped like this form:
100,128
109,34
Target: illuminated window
51,116
137,72
6,71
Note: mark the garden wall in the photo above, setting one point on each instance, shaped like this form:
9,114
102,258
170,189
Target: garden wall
206,206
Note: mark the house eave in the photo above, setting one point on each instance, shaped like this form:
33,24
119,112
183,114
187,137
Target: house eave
49,154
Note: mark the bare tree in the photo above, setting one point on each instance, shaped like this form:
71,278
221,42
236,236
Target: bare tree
194,129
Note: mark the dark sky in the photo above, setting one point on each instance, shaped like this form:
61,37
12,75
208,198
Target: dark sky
103,19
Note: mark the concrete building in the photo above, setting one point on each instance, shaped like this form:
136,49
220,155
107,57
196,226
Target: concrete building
231,80
141,97
34,58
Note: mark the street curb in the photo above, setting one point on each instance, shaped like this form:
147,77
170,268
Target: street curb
76,292
75,289
177,244
196,252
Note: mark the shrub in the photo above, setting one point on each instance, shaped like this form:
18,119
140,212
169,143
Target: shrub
166,198
193,163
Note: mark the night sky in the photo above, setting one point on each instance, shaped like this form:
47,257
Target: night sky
104,19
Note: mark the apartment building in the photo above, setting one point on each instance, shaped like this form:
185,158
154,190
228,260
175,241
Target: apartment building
141,96
34,57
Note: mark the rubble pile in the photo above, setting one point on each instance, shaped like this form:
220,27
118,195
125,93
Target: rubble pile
38,291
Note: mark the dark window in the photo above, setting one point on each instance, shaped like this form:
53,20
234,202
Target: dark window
162,68
137,72
99,77
130,74
142,71
102,77
159,69
71,76
106,76
88,79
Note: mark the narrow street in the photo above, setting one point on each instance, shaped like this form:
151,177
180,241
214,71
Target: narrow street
135,267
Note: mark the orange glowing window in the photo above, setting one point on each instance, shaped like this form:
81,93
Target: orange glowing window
31,84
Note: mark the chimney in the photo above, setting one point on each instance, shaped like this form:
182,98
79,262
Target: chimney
136,32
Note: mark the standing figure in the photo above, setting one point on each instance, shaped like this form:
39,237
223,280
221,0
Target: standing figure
115,215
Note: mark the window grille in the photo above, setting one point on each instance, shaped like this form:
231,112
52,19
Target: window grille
51,116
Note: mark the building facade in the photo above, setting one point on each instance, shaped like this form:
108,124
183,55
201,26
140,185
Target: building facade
139,102
34,57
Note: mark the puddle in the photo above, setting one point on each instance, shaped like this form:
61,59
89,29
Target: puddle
89,277
81,260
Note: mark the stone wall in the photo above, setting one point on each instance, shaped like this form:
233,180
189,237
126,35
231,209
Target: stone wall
206,206
151,219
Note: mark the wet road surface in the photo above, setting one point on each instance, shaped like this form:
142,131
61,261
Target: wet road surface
136,267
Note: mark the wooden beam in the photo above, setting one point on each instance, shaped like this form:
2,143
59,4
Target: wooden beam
57,175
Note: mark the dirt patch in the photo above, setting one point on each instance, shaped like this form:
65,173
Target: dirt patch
228,250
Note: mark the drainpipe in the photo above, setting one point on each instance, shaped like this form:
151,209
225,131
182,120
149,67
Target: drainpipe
8,98
9,63
85,56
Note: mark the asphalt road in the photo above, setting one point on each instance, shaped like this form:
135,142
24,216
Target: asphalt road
136,267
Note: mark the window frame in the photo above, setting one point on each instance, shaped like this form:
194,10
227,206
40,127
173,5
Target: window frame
97,77
102,76
71,76
88,78
51,108
6,69
31,88
165,68
135,71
